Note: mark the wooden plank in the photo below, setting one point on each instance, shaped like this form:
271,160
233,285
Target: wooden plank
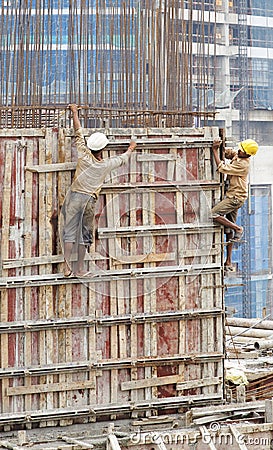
41,260
134,342
144,273
169,134
9,445
64,291
19,132
28,207
51,387
202,252
181,386
68,166
156,229
42,295
120,286
124,259
150,285
212,410
49,168
156,157
238,437
155,381
87,321
104,409
113,442
207,438
172,164
144,258
45,248
78,442
6,194
208,332
181,247
50,183
114,245
193,185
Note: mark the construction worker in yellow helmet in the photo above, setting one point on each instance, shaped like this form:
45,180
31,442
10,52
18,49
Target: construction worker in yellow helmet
249,146
237,170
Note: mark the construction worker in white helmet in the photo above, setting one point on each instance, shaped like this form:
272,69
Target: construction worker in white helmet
79,206
225,212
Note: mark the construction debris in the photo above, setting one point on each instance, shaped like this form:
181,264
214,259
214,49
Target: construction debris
247,336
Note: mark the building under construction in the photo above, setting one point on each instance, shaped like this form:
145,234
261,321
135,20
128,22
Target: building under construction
148,63
134,356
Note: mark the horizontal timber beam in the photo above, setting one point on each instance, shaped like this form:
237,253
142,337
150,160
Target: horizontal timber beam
79,322
150,382
50,259
106,409
51,387
109,275
111,364
192,384
167,229
214,249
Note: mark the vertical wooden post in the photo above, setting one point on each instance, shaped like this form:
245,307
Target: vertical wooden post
45,248
269,410
149,292
27,254
179,175
9,151
64,290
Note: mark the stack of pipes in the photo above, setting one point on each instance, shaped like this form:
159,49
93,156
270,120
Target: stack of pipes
249,333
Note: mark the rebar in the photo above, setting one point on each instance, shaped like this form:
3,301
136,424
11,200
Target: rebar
132,56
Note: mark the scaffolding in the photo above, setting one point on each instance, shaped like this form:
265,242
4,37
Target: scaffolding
244,122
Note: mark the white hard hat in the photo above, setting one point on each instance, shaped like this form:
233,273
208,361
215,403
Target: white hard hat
97,141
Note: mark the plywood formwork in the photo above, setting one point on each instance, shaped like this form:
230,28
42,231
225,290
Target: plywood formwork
145,335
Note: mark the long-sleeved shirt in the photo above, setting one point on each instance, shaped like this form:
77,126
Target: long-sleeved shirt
91,172
237,171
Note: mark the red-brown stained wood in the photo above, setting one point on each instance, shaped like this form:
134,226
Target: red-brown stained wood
147,317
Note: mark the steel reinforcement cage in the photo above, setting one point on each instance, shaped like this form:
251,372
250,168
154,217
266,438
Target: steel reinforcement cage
97,117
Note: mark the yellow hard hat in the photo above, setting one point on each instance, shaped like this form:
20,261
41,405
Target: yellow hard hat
249,146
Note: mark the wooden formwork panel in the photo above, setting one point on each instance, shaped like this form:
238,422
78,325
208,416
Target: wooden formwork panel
146,333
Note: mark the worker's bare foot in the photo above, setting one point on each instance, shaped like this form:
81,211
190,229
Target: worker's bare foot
229,268
67,271
237,235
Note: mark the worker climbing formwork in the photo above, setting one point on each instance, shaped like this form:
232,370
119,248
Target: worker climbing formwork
225,212
80,203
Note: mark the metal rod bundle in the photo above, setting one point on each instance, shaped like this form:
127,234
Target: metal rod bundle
133,55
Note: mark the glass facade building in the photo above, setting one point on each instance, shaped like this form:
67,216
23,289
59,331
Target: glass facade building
260,257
